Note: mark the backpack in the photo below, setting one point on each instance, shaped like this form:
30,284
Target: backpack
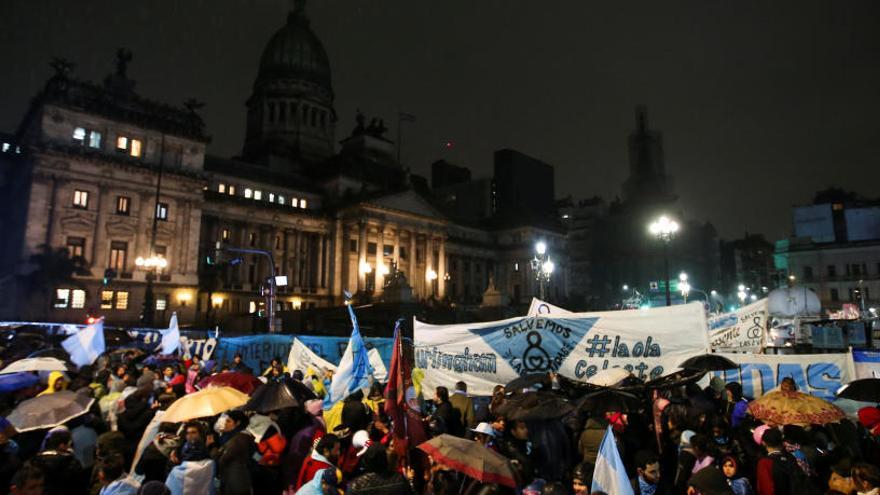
798,482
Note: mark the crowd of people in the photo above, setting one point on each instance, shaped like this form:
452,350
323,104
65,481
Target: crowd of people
679,440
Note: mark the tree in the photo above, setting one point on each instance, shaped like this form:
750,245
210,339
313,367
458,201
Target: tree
54,267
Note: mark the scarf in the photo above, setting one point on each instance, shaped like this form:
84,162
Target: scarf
193,451
646,488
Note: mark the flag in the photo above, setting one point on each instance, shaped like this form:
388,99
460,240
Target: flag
192,477
86,345
380,372
609,475
354,368
171,337
399,376
304,359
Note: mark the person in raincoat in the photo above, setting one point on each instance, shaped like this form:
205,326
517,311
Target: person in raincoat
57,382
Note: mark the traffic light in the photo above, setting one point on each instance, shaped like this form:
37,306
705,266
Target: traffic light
109,275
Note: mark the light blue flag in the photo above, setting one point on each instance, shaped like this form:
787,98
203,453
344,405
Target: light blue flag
86,345
609,475
354,369
171,337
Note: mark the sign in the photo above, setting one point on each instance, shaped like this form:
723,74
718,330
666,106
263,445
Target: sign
257,351
740,331
301,357
648,342
203,348
866,363
817,374
539,307
827,336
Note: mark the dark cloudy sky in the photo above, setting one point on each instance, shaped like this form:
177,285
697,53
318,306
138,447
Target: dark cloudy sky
760,103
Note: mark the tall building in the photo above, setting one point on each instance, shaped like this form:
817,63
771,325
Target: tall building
330,214
749,262
524,186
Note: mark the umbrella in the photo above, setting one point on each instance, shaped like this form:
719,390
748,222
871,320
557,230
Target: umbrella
794,408
470,458
677,379
532,406
242,382
609,377
865,390
709,362
299,390
272,397
11,382
537,380
208,402
50,410
608,399
35,364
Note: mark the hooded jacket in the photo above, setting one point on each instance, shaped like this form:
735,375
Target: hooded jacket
53,378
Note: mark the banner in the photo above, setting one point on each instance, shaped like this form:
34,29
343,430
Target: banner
257,351
866,363
301,357
648,342
203,348
540,308
740,331
817,374
331,348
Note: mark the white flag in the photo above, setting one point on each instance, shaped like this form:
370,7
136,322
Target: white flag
171,337
302,358
380,373
86,345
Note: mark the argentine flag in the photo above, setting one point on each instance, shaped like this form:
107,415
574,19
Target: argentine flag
171,337
354,368
86,345
609,475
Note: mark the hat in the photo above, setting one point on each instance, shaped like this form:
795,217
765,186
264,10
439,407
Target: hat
314,407
717,384
685,440
758,433
485,429
361,442
710,481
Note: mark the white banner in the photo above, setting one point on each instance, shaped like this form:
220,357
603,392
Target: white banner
302,358
740,331
542,308
817,374
867,363
648,342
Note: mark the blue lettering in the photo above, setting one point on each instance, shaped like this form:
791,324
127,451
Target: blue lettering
824,378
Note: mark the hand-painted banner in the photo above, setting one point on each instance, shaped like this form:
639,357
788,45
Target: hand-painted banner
867,363
303,358
542,308
817,374
649,342
257,351
331,348
740,331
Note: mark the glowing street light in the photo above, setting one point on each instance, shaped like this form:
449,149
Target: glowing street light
365,268
542,266
664,229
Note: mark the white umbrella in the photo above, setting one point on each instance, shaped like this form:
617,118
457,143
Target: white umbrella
609,377
35,364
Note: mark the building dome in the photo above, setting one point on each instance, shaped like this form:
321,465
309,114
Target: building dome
295,52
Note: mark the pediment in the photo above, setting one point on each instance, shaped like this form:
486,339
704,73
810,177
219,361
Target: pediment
407,202
121,229
77,221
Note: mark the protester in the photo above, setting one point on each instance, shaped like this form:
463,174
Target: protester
324,456
647,480
866,478
111,474
234,456
708,481
195,470
463,404
446,419
58,462
378,478
738,482
29,480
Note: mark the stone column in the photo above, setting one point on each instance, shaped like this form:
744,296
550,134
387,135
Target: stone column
429,263
397,245
412,275
296,255
441,269
379,280
362,254
319,266
340,254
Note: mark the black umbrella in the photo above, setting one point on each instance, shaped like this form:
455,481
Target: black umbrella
536,380
709,362
677,379
532,406
273,396
609,399
299,390
865,390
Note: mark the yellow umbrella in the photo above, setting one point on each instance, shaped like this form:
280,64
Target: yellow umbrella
794,408
208,402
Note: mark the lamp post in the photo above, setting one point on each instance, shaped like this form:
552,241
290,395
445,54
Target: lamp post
543,267
153,266
684,286
664,229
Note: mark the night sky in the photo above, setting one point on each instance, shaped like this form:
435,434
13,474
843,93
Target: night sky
760,103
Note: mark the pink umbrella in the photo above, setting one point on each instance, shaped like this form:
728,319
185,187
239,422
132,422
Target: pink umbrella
239,381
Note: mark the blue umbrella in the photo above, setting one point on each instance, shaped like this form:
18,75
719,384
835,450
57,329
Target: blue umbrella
17,381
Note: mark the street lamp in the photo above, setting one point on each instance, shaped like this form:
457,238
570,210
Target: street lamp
664,230
543,267
741,293
152,265
684,286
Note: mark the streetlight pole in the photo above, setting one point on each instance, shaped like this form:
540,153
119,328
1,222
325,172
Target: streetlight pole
149,311
664,229
543,268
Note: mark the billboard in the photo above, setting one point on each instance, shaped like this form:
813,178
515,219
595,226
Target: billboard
815,222
862,224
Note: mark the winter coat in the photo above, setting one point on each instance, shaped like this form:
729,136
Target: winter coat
591,439
65,472
310,468
233,464
465,407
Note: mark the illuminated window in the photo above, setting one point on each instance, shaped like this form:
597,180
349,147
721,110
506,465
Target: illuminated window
231,190
79,134
135,147
78,301
106,299
81,199
248,193
121,143
118,254
258,195
225,235
271,197
121,299
162,211
516,267
253,239
94,139
252,307
294,202
122,205
62,298
76,247
302,203
221,188
161,303
280,199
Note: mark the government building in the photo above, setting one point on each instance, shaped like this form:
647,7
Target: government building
117,209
